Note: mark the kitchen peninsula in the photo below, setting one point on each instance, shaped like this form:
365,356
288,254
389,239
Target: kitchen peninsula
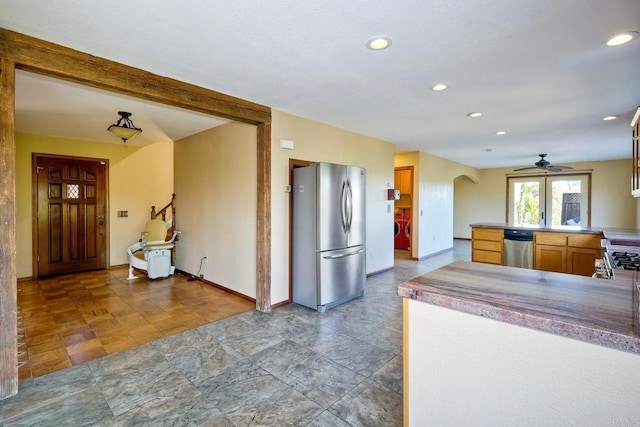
563,249
496,345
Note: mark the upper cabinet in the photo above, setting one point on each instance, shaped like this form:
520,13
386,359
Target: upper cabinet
635,144
403,180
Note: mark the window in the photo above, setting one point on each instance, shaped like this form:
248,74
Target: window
73,191
549,200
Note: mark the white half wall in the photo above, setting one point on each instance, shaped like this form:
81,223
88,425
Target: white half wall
466,370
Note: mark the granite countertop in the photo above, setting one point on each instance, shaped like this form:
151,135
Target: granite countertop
623,237
603,312
557,228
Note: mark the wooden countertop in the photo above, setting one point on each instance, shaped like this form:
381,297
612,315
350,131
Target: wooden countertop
603,312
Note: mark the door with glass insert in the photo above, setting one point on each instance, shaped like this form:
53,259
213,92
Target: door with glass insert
549,200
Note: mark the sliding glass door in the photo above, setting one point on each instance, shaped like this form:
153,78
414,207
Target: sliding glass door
548,200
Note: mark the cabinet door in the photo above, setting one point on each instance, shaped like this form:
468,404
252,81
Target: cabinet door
403,180
582,260
551,258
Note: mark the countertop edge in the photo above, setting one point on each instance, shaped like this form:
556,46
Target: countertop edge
603,337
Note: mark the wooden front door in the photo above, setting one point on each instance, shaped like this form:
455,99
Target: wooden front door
70,215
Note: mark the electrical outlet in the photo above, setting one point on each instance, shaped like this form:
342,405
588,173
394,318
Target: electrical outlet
202,276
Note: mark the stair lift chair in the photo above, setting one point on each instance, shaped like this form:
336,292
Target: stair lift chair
152,252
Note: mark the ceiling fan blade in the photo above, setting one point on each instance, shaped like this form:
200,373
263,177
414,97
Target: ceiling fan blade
561,167
527,168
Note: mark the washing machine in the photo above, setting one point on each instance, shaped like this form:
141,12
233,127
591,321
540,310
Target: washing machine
401,235
407,234
398,231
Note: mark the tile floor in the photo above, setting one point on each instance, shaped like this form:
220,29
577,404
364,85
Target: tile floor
293,366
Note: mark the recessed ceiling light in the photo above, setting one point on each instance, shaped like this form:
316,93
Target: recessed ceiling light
439,87
622,38
500,132
476,114
378,43
610,118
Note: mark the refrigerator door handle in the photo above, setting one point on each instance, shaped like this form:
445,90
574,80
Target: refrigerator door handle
349,206
343,207
343,255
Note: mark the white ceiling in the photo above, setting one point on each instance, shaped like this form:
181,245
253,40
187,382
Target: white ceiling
536,69
53,107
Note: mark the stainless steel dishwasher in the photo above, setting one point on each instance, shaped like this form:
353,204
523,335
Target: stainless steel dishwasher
518,248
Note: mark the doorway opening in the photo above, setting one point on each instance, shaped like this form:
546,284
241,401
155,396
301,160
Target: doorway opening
403,212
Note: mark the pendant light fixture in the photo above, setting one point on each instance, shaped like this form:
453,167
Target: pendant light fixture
124,127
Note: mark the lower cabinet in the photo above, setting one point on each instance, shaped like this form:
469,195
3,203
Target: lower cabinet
582,260
572,253
486,245
550,258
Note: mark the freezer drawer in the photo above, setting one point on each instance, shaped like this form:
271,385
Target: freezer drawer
341,276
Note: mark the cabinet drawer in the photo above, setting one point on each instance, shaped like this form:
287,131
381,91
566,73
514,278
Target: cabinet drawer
584,240
553,239
488,257
495,234
487,245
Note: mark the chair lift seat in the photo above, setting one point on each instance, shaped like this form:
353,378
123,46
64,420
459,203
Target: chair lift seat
152,253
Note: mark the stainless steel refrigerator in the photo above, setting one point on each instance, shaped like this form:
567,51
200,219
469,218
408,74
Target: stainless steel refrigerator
328,234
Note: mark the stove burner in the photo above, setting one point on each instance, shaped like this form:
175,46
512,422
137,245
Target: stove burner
626,260
628,254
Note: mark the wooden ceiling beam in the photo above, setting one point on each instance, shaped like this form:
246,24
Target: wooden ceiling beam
50,59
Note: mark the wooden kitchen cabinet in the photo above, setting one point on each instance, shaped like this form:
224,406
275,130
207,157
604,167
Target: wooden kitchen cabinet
635,154
487,245
583,250
573,253
403,180
550,258
582,260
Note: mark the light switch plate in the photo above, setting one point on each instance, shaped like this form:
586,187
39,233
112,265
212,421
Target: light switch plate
286,144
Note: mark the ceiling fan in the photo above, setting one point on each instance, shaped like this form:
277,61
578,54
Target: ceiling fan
545,165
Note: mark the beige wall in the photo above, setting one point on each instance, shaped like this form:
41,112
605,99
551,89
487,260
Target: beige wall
315,141
216,190
433,200
139,177
611,201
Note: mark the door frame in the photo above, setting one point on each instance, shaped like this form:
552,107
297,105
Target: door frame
545,179
293,163
34,206
22,52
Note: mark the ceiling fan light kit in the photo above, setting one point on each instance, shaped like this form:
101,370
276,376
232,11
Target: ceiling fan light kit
545,165
124,127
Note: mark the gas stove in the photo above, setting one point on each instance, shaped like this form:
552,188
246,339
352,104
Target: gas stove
625,260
